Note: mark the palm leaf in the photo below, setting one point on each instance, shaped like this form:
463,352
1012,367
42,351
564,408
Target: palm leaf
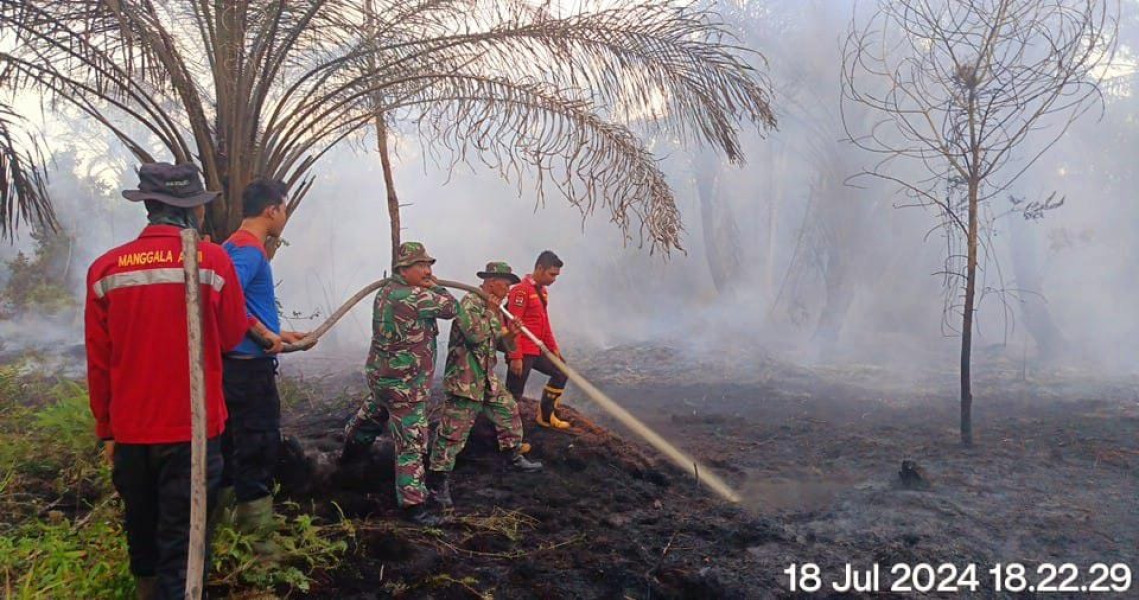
23,185
267,87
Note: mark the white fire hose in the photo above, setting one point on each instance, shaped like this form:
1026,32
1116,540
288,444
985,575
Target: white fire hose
703,474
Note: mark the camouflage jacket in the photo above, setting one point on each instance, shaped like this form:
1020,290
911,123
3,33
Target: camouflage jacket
475,336
404,332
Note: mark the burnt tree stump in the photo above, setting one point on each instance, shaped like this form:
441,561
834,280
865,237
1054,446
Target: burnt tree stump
913,477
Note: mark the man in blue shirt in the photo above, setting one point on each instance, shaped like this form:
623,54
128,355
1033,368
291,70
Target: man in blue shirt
253,431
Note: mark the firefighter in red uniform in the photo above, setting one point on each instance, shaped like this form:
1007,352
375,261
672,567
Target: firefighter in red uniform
527,302
138,375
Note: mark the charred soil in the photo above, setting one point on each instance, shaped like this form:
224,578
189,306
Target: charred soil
815,453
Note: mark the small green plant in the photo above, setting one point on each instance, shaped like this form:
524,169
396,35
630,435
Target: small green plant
9,385
467,583
61,558
305,547
295,392
68,418
47,445
63,433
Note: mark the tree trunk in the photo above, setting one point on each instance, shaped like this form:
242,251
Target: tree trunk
775,186
1035,313
230,126
967,318
389,184
721,237
382,143
842,223
839,295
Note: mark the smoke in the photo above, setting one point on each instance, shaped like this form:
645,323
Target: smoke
48,344
782,254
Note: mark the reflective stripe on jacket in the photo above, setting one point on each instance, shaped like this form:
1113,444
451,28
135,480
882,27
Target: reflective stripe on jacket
137,356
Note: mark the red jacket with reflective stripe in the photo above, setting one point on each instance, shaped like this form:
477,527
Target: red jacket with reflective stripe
137,357
527,302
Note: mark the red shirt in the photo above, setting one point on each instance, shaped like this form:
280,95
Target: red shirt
137,356
527,302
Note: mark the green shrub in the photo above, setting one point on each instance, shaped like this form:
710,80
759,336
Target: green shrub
305,548
39,283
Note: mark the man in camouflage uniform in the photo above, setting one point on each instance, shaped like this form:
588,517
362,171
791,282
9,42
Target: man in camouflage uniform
471,385
401,363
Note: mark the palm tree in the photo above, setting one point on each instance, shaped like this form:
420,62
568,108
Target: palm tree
267,87
23,189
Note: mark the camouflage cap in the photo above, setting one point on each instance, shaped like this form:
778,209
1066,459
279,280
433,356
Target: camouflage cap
411,253
499,269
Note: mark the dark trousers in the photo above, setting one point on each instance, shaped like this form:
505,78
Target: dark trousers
154,482
252,436
516,384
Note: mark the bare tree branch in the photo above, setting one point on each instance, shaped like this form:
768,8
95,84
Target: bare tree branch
972,93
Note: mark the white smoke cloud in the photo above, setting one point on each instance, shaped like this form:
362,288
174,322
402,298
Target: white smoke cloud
610,294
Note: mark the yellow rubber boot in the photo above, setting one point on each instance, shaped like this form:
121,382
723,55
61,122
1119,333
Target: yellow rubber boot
546,416
557,405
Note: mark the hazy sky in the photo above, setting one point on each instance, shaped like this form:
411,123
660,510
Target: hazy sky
608,295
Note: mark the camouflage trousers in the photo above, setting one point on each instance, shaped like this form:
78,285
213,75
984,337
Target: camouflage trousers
368,423
459,416
406,406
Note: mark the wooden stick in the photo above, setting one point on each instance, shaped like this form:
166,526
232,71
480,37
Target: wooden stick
195,562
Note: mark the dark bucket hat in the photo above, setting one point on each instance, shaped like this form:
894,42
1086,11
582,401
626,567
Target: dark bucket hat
176,185
499,270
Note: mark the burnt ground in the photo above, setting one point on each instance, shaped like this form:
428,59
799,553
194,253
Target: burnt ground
814,452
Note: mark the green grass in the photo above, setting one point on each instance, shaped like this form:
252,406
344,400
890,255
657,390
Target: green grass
60,533
61,523
63,558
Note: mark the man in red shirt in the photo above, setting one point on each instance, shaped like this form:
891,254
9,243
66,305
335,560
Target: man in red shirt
138,375
527,302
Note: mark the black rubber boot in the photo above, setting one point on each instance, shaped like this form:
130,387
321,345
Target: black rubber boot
418,514
518,462
360,432
438,483
354,451
146,588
